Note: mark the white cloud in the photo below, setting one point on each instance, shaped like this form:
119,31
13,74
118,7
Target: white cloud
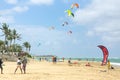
16,9
20,9
90,33
102,18
11,1
7,14
50,40
7,19
40,2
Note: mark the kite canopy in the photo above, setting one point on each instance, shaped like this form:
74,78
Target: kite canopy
69,32
74,5
69,12
65,23
105,54
39,44
72,14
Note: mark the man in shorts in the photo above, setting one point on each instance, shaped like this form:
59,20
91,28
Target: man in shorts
24,62
18,65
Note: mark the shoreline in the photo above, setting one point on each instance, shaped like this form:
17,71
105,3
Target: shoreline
115,64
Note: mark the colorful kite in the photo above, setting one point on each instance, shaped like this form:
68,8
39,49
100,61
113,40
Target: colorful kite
72,14
65,23
69,12
75,5
105,54
69,32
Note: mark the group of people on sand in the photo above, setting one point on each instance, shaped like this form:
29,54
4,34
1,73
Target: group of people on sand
21,64
89,65
54,59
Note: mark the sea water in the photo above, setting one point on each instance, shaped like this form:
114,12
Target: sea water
114,61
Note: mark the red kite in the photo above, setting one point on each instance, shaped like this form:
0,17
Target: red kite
105,54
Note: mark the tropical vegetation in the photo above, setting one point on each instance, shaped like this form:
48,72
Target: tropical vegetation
9,43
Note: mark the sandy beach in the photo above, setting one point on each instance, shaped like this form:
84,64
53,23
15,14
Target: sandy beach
61,71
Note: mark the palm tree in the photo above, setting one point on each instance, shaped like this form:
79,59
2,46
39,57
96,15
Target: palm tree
16,35
6,32
27,46
18,48
10,39
1,46
10,35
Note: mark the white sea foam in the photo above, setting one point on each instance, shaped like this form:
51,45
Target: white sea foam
115,64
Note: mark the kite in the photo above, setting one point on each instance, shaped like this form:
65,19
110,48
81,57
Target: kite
72,14
69,32
69,13
75,5
39,44
52,28
105,54
65,23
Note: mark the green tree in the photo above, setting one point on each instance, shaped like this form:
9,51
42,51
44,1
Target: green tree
16,35
6,32
1,46
27,46
18,48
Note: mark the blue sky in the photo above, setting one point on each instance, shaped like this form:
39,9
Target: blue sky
96,22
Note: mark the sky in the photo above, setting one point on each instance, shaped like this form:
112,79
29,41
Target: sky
95,22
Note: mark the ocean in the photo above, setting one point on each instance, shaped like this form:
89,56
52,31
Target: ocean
115,61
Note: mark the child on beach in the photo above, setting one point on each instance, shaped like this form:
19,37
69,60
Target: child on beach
1,62
18,65
88,64
109,65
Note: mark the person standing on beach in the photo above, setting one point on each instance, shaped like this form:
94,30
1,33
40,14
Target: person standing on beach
24,62
63,59
18,65
69,61
109,64
1,62
53,59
